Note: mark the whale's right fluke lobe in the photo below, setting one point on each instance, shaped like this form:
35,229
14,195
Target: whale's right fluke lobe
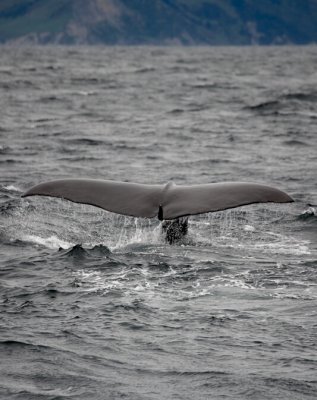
167,202
198,199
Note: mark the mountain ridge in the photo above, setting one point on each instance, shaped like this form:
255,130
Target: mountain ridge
158,22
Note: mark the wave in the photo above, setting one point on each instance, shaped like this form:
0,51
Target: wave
303,387
176,111
44,394
18,84
205,86
295,142
309,214
78,251
21,344
3,129
65,248
145,70
265,106
10,161
301,96
77,159
4,149
85,141
283,102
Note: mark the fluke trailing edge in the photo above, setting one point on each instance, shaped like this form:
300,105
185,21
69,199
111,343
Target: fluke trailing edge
167,202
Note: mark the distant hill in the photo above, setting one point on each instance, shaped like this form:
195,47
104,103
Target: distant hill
167,22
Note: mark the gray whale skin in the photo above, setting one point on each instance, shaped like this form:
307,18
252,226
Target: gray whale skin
167,202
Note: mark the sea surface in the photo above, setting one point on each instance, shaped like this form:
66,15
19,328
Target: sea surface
95,305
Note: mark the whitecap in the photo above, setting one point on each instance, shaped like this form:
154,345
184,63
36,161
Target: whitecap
248,228
52,242
12,188
310,211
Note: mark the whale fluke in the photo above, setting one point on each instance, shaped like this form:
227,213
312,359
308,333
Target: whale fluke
166,202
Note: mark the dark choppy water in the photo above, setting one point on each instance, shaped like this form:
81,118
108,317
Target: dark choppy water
96,305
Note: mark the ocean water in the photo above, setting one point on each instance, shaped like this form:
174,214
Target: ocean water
95,305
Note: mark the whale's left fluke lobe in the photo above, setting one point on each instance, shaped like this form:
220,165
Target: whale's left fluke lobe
167,202
124,198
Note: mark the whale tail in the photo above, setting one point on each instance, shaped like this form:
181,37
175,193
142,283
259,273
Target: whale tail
170,203
166,202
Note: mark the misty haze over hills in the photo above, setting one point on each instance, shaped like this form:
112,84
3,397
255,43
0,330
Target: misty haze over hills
167,22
